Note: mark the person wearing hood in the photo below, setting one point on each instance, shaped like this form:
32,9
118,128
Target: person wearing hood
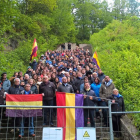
106,90
89,100
117,106
101,75
6,84
33,64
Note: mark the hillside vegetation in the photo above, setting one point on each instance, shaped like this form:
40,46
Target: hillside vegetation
52,22
118,48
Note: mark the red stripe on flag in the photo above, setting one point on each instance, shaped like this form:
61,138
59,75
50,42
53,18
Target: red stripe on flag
24,98
61,112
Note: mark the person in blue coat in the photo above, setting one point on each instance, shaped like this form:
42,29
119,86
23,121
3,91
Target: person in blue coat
95,86
6,84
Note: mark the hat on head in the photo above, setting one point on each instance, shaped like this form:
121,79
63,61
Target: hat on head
70,69
42,55
29,67
88,73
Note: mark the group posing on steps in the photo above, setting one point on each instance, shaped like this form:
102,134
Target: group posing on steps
71,71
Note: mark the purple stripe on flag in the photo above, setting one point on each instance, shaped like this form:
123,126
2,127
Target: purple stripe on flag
34,50
79,116
94,60
23,113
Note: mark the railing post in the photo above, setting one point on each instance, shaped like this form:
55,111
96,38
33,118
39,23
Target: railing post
110,121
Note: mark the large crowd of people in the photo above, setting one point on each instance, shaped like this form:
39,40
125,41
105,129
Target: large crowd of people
71,71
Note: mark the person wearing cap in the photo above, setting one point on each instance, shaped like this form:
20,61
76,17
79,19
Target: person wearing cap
48,88
29,71
6,84
33,64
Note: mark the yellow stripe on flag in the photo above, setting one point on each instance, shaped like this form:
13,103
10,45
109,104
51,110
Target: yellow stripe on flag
70,117
35,103
96,57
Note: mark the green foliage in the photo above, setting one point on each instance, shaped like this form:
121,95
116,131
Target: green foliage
118,48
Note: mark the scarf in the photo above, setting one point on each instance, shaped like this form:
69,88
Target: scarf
87,89
27,92
118,96
108,83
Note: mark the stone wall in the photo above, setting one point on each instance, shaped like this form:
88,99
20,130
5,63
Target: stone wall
129,131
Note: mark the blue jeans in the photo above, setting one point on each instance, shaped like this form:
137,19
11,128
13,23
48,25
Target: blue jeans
31,126
105,112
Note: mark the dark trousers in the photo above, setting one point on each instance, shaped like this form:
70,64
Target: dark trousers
105,112
15,122
90,113
116,123
48,111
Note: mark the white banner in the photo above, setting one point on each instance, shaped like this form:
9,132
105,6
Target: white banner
55,133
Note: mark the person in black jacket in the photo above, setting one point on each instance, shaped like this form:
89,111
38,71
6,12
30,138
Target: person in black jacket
33,64
48,88
117,106
101,75
77,82
69,46
65,87
16,89
89,100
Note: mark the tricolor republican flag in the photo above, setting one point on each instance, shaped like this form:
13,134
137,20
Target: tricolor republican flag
69,118
23,100
34,50
95,60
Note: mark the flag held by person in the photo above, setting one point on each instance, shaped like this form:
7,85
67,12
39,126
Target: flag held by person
23,100
69,118
34,50
95,60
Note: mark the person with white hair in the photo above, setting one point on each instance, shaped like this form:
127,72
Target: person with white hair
65,87
16,89
117,106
